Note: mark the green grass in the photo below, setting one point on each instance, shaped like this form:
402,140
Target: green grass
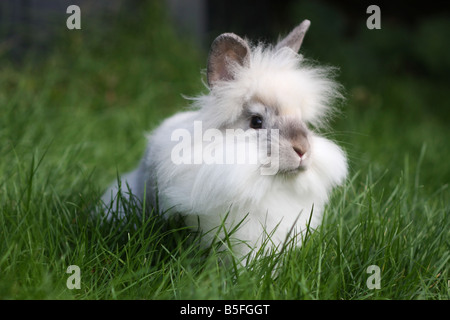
72,119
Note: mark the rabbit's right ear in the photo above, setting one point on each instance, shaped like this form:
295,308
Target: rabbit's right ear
226,50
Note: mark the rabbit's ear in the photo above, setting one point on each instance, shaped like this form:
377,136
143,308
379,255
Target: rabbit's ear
226,50
295,38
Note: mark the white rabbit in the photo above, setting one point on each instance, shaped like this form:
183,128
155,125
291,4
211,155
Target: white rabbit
272,96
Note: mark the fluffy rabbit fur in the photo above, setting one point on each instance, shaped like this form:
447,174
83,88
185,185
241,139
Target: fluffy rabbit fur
251,87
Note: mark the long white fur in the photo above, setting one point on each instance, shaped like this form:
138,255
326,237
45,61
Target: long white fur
206,193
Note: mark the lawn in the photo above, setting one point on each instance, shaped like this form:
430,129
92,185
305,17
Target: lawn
74,117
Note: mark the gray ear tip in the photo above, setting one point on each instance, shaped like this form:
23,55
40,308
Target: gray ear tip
304,26
229,40
229,36
295,38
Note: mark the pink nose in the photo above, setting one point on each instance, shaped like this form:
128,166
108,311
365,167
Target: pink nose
299,151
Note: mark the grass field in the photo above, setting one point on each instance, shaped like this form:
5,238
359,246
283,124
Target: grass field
73,118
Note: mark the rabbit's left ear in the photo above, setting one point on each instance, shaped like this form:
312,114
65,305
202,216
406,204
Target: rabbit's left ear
295,38
226,50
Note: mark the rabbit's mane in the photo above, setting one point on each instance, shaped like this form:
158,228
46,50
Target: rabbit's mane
277,77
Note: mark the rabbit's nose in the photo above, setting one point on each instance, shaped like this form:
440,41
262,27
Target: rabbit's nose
301,149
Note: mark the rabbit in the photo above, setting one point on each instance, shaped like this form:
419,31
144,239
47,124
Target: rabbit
276,99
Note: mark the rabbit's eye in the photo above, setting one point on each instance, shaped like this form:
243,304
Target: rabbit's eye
256,122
